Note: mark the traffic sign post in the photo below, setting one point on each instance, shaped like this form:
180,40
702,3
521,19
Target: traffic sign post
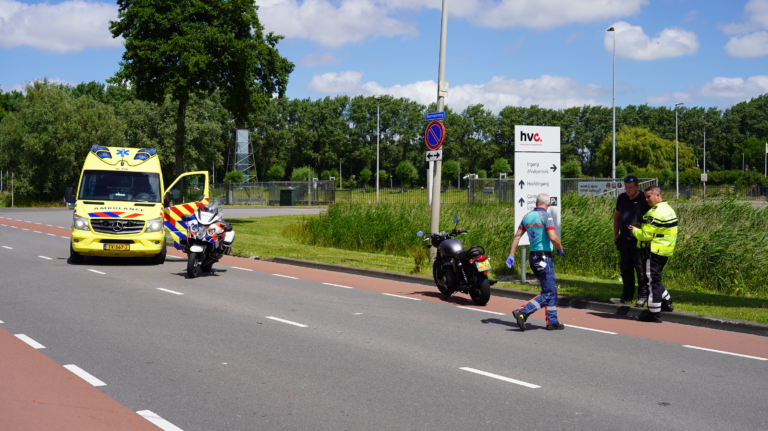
537,170
434,135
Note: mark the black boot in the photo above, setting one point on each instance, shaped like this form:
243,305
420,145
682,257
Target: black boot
647,316
666,305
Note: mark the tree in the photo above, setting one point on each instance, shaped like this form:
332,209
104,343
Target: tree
302,174
449,171
500,166
194,48
236,177
365,176
406,173
46,140
275,173
640,150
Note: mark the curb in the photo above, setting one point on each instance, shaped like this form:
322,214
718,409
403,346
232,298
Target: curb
711,322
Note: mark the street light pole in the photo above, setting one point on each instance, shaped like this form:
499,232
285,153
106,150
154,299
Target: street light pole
377,147
442,91
613,165
677,161
705,157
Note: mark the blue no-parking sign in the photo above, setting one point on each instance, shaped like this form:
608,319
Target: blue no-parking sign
434,135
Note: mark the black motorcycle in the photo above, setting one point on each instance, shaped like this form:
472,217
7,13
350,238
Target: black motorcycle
457,269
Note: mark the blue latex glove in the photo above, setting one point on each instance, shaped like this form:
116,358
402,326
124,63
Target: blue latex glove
510,261
560,252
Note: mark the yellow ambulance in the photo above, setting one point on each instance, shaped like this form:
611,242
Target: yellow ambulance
121,208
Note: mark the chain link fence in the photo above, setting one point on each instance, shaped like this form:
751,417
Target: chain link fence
275,193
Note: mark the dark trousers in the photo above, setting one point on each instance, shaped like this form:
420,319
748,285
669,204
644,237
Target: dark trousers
654,265
631,266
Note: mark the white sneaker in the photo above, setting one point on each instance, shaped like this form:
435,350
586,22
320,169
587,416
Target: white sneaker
619,301
641,302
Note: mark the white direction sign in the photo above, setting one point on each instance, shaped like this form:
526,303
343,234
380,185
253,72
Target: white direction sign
433,156
537,170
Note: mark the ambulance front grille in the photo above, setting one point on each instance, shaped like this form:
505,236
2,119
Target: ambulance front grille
116,226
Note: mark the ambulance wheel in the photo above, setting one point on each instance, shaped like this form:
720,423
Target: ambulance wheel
193,265
75,257
159,258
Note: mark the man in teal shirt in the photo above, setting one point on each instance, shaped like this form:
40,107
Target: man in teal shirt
542,234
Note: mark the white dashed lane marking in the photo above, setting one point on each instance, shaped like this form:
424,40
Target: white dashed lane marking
590,329
285,276
45,257
30,341
727,353
338,285
169,291
288,322
505,379
97,272
478,309
158,421
400,296
79,372
9,248
242,269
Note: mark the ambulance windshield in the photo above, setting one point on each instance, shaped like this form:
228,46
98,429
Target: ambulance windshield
120,186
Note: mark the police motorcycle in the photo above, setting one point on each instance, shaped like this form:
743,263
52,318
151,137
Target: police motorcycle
209,238
457,269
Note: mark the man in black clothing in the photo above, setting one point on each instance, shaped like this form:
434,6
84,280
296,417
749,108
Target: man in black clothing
630,208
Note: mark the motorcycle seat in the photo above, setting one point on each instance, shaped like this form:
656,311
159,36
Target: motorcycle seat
469,253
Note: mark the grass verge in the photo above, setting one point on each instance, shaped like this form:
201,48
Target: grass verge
268,237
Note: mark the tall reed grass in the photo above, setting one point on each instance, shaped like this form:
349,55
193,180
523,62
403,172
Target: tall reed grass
722,246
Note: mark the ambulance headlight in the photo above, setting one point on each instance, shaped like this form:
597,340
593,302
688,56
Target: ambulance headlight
155,225
79,222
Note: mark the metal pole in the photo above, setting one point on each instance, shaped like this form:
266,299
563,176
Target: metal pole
340,180
613,171
434,224
677,162
522,265
377,147
705,158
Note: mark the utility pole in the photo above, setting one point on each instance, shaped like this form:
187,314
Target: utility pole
442,91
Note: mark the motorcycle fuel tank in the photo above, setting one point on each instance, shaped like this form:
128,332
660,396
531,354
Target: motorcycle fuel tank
450,247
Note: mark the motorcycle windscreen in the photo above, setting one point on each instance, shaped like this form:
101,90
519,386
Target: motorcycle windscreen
189,192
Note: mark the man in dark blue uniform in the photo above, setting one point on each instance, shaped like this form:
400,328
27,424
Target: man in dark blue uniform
541,232
630,208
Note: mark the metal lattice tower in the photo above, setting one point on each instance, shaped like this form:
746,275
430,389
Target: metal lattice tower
241,156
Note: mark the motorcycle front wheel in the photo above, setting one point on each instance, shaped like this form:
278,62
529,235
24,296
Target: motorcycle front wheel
193,265
481,293
440,280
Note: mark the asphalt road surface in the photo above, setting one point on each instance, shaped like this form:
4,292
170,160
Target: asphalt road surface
263,346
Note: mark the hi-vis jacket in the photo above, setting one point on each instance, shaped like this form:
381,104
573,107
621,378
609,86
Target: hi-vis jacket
659,230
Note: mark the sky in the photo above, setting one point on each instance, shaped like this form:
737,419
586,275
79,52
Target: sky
552,53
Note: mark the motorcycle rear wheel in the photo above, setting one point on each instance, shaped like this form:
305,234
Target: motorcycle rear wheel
481,293
440,280
193,265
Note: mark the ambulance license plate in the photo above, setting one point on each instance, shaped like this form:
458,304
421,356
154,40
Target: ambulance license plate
484,265
120,247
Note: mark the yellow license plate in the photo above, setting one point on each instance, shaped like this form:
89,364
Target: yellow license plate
484,265
120,247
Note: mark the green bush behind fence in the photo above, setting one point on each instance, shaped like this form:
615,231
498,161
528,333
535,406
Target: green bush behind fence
721,245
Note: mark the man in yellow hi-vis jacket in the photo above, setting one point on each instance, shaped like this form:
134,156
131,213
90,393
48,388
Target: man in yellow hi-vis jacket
657,238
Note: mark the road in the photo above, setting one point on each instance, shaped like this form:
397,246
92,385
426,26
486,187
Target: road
259,345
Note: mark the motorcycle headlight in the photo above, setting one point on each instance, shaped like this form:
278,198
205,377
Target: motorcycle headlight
80,222
155,225
193,228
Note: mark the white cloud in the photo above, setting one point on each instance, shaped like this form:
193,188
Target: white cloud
736,90
64,27
334,23
323,22
749,46
555,92
632,42
319,59
756,14
22,86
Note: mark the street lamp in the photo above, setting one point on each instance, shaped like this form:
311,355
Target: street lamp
613,165
377,147
677,161
705,156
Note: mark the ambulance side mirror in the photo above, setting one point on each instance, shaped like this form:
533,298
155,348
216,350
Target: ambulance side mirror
167,200
69,196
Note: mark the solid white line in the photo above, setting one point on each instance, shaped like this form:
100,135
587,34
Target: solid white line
14,227
1,321
30,341
169,291
288,322
51,234
9,248
399,296
158,421
36,231
338,285
242,269
727,353
590,329
97,272
45,257
23,228
3,224
477,309
506,379
79,372
49,225
60,227
286,276
175,257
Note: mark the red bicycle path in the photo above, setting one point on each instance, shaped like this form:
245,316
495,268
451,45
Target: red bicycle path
37,393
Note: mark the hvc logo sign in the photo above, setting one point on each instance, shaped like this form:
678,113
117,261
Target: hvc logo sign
537,139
